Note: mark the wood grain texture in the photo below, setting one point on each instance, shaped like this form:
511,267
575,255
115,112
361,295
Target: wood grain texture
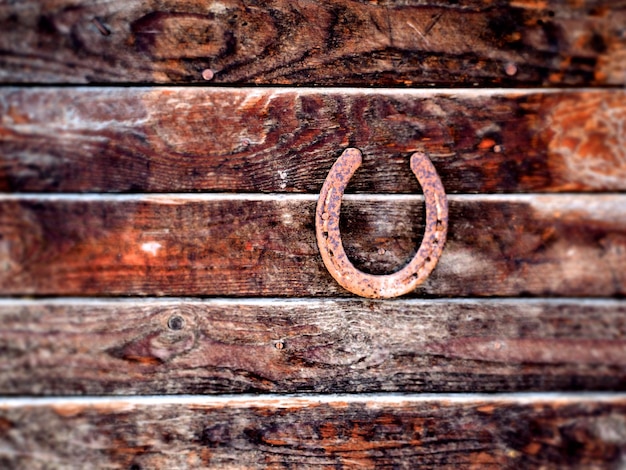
286,140
399,42
342,432
77,347
261,245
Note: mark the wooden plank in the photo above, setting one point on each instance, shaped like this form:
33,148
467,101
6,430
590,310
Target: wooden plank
264,245
286,140
73,346
267,432
396,42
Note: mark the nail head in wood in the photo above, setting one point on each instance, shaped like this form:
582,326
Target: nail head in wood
510,69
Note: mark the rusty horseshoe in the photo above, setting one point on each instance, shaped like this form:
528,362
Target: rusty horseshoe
329,237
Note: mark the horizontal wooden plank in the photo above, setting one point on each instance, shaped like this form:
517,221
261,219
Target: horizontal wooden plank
347,42
318,432
70,346
263,245
286,140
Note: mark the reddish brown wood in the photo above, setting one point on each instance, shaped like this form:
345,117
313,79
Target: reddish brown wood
286,140
73,346
555,245
406,43
341,432
271,140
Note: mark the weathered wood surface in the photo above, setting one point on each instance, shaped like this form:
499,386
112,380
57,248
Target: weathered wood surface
69,347
285,140
339,432
263,245
396,42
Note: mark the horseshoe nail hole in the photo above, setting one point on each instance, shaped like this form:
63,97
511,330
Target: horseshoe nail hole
435,242
176,323
428,259
325,234
330,252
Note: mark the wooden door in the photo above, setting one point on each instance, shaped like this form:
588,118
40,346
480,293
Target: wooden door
163,300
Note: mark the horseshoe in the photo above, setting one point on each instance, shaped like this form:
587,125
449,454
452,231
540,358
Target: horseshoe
329,237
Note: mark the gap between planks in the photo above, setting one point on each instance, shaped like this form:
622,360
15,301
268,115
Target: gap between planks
211,197
280,401
305,301
306,90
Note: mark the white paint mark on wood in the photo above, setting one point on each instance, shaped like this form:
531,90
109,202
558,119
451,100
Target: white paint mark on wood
151,247
218,8
283,179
